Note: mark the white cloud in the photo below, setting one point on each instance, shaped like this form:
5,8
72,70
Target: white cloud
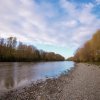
88,22
44,23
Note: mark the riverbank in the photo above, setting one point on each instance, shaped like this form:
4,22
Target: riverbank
82,83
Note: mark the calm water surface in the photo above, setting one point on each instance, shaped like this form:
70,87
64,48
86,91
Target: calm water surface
13,75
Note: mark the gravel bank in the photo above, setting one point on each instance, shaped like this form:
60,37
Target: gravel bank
82,83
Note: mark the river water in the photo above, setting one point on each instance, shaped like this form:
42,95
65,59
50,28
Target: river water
13,75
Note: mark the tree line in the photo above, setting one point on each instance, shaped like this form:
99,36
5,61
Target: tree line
12,50
90,51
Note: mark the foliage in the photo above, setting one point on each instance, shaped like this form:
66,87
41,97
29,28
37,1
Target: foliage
11,50
90,50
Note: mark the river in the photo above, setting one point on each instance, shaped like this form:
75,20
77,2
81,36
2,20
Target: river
16,74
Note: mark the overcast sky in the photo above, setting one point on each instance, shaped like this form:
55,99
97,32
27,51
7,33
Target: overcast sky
52,25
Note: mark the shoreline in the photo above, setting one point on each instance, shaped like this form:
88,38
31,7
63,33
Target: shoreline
71,86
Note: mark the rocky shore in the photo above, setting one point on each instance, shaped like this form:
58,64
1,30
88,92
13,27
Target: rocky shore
81,83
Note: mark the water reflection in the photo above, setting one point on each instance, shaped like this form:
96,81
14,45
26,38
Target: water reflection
13,75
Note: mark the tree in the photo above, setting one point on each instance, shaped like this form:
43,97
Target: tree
90,50
22,52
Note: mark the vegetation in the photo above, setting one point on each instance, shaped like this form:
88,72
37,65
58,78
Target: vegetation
69,59
90,50
11,50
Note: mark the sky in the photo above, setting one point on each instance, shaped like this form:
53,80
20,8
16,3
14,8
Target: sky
60,26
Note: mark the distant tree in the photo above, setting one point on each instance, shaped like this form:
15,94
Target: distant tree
11,50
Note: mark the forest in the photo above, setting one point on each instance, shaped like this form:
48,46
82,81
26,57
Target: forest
90,51
12,50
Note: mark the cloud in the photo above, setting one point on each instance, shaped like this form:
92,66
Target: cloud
87,22
98,2
53,23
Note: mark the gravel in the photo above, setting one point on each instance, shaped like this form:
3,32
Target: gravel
82,83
